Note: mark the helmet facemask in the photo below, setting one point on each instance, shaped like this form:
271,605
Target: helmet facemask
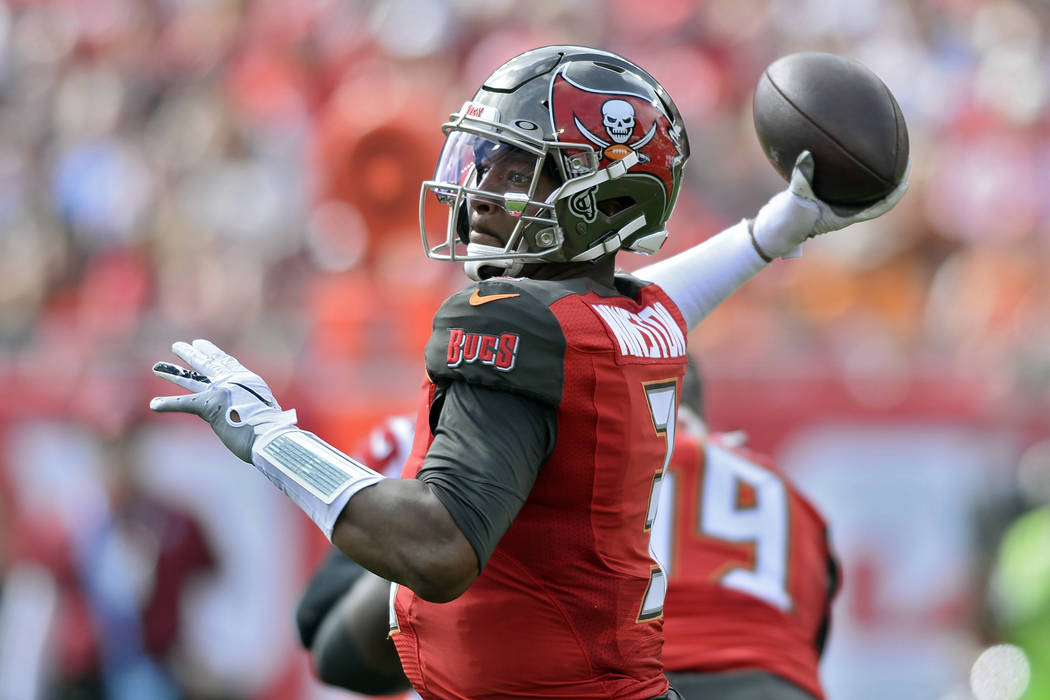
484,162
512,169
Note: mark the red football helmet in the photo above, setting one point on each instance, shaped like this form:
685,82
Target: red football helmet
602,127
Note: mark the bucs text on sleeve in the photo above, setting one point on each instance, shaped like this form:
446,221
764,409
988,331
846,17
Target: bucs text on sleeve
498,352
496,335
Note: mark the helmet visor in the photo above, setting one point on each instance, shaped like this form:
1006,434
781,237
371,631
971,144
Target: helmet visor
473,168
489,168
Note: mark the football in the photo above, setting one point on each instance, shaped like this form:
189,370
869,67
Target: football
843,114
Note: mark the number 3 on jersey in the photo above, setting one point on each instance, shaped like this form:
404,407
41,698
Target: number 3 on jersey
662,399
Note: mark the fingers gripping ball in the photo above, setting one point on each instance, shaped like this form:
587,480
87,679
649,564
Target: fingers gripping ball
838,110
796,214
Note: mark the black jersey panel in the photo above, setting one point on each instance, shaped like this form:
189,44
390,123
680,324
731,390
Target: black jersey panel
487,451
501,334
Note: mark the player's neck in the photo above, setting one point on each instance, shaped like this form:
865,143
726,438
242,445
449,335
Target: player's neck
603,271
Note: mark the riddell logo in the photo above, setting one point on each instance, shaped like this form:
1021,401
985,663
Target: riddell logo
475,110
497,351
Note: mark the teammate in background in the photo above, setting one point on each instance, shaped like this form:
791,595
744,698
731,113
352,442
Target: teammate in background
517,536
751,573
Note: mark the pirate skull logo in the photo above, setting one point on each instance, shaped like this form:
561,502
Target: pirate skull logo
614,125
618,120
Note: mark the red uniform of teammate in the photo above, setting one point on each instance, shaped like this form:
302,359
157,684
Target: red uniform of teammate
751,573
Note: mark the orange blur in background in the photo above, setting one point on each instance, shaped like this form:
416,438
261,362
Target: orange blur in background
249,172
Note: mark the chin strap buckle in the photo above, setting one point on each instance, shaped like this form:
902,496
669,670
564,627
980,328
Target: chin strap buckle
620,167
579,184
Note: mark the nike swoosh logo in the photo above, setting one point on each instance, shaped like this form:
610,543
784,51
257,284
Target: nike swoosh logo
477,300
253,393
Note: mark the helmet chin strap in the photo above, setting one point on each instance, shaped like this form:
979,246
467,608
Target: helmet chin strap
507,266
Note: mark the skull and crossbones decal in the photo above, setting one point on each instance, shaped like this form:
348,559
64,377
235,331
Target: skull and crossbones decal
618,118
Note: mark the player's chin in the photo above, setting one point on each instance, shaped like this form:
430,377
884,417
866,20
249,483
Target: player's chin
479,238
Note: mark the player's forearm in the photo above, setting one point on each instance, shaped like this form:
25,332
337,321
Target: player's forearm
395,528
399,530
702,277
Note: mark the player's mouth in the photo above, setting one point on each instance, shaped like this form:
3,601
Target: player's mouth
485,238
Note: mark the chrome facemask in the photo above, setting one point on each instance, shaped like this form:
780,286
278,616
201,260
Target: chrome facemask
477,146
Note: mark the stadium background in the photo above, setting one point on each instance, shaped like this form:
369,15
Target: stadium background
248,172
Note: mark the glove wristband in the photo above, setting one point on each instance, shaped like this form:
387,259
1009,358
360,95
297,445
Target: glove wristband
317,477
754,243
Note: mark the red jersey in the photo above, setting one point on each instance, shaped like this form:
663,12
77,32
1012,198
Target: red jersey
751,573
570,602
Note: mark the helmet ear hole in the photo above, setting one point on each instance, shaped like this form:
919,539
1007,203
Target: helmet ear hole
633,207
614,205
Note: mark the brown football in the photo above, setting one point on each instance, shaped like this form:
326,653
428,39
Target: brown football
843,114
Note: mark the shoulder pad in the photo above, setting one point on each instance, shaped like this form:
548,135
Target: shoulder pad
501,334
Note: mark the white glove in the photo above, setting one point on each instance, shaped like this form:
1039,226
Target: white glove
236,402
795,214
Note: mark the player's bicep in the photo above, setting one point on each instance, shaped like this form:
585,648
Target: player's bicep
487,452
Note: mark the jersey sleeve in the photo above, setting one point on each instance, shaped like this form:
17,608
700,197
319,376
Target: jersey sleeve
498,335
487,451
700,278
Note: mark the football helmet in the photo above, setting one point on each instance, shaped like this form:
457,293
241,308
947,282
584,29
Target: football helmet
600,127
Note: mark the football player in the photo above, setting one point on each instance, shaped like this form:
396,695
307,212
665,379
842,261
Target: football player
751,571
517,537
751,574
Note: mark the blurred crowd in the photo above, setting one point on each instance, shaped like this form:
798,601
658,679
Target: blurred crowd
248,171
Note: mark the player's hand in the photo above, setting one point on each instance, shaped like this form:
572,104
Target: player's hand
236,402
795,214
